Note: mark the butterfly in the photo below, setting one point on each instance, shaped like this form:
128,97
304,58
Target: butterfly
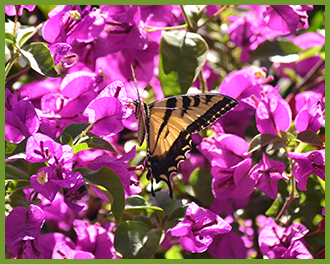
168,125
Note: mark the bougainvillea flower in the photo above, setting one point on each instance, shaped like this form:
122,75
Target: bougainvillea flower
279,242
233,182
246,227
161,15
273,113
42,182
21,119
227,246
228,206
117,89
57,213
94,239
267,173
318,94
117,65
40,148
58,246
81,87
248,82
286,18
106,114
307,163
21,226
198,228
308,40
49,180
64,251
68,23
36,89
59,51
12,10
225,150
249,31
243,32
310,116
126,31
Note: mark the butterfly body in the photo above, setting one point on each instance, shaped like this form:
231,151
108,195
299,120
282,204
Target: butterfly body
168,125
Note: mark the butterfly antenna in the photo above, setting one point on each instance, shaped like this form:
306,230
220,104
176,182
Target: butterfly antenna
135,81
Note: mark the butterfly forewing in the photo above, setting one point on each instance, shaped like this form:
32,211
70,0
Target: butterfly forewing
169,125
141,114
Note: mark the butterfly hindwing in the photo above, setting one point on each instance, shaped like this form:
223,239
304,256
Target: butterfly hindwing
169,125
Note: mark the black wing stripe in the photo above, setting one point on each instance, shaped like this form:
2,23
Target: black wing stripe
210,107
170,105
186,101
161,167
212,114
197,101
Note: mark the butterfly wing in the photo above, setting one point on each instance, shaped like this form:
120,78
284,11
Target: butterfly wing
170,124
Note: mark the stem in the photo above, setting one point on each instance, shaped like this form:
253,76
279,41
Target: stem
75,140
9,66
291,197
189,24
202,81
214,16
308,76
16,19
17,74
301,147
152,29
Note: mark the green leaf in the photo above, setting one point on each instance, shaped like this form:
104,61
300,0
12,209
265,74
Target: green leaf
34,167
95,142
20,148
182,55
278,145
25,33
38,56
9,147
64,139
91,141
262,140
164,201
275,48
200,180
15,199
174,252
136,202
316,21
288,47
13,173
112,183
178,213
137,240
310,137
80,147
312,51
45,9
292,74
74,130
14,186
10,38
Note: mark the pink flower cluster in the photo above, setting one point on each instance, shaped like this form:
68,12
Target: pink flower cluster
258,159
